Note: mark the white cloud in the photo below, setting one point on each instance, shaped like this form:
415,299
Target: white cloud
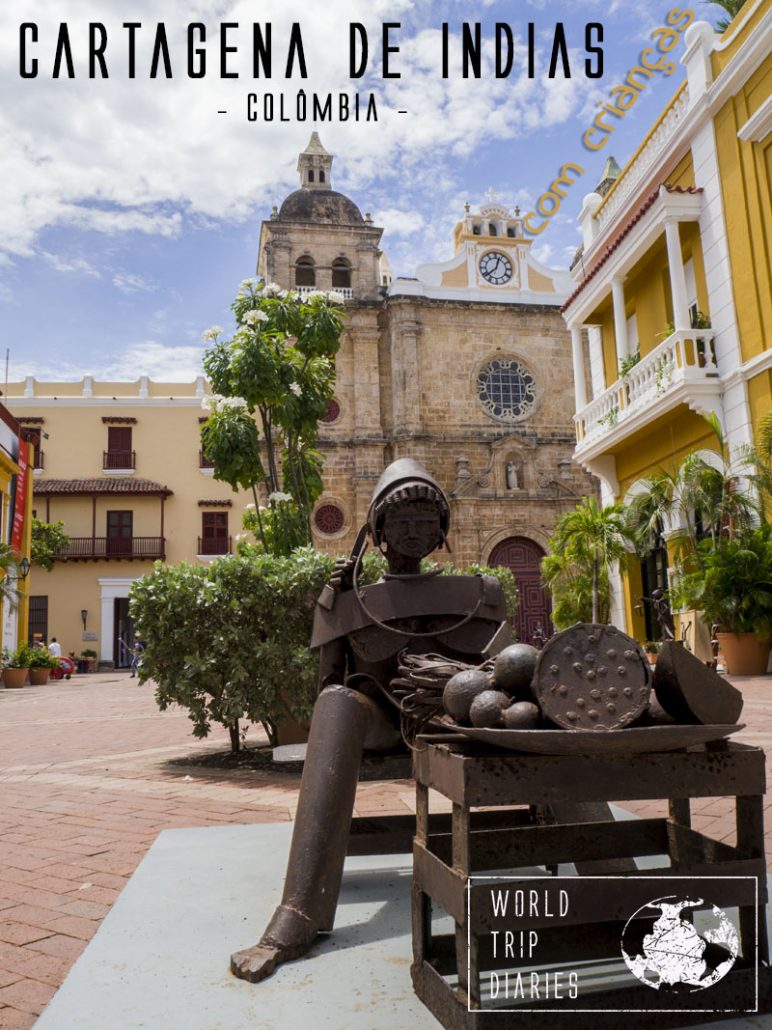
72,264
398,222
128,282
151,156
162,363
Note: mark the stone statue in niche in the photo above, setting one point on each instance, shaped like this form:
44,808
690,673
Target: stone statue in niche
514,476
360,635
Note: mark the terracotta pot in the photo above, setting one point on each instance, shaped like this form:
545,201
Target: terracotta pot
15,677
38,677
743,653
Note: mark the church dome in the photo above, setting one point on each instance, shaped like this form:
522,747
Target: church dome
326,207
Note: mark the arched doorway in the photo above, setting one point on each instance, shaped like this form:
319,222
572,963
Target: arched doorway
534,608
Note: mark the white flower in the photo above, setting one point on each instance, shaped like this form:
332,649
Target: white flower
255,315
335,298
246,284
240,536
233,402
272,290
313,294
277,497
249,507
212,333
295,388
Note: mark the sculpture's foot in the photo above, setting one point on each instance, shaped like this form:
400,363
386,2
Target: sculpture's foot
255,964
289,935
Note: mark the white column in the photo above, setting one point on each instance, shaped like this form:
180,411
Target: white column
577,351
677,276
620,318
106,628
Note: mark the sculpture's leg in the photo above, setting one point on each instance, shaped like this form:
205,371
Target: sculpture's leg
320,835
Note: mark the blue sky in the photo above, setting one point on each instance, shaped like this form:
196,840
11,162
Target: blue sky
131,209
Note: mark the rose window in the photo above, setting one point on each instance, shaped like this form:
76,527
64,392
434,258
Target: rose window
332,414
506,389
329,519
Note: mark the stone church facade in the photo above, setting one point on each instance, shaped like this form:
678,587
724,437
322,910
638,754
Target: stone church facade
466,367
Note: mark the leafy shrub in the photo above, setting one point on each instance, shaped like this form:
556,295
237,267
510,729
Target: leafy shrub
230,641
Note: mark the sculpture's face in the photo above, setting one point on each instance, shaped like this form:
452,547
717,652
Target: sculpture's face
412,529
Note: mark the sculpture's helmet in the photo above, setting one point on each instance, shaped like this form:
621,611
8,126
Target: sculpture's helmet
406,481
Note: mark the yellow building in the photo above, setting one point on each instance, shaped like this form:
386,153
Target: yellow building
683,232
15,526
121,465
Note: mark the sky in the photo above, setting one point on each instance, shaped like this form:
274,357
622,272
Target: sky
130,209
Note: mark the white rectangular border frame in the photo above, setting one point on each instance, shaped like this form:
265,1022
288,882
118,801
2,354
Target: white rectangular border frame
552,879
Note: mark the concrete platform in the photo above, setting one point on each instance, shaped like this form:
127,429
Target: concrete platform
160,958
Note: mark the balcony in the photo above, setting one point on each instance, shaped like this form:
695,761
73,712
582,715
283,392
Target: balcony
212,546
345,291
638,169
204,463
681,370
118,461
108,548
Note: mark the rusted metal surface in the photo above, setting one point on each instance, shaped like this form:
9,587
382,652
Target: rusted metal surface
590,930
592,677
691,692
634,740
360,634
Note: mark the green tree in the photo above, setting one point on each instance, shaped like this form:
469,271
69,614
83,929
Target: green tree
731,7
728,496
9,582
584,547
230,641
48,540
272,382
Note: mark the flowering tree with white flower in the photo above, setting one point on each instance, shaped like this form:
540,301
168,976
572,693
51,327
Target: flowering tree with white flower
273,381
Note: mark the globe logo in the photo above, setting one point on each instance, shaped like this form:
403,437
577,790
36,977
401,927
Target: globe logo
665,951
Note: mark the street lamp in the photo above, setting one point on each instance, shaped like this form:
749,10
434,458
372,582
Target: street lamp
23,568
84,617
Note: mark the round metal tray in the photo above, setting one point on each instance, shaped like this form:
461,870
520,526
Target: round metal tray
636,740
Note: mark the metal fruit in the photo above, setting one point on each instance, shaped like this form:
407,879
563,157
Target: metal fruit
522,715
461,690
513,669
488,707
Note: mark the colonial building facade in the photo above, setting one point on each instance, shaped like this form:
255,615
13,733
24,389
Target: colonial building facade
466,367
671,307
120,464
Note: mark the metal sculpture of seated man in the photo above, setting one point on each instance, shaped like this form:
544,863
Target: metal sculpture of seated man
360,635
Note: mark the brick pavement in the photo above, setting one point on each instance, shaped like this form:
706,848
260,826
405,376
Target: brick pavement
87,785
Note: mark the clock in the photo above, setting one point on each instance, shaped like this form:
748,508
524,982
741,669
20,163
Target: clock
496,268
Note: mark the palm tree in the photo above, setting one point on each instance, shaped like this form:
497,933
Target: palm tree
716,494
732,8
9,559
585,545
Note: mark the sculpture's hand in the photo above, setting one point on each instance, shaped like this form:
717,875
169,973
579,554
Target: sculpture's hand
342,577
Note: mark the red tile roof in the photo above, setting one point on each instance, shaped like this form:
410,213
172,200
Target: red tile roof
611,247
117,485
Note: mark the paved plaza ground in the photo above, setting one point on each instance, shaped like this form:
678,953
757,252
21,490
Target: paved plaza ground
90,774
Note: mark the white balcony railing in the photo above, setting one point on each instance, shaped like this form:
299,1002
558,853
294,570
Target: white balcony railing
684,362
650,150
346,291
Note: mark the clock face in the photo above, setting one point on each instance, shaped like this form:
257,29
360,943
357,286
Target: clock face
496,268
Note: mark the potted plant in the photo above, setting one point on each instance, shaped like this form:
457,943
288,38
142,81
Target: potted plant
16,665
736,593
89,657
41,663
651,649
